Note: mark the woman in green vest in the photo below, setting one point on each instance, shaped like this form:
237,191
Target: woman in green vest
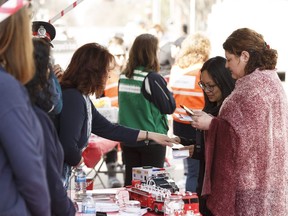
144,103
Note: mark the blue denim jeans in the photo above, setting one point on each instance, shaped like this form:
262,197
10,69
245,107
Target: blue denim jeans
191,168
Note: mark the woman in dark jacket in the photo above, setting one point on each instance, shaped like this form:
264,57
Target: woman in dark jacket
40,95
23,184
217,84
86,75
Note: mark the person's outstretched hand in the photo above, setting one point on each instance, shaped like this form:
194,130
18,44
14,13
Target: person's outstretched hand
176,140
162,139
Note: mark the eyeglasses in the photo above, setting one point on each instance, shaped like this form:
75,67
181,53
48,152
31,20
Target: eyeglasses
204,87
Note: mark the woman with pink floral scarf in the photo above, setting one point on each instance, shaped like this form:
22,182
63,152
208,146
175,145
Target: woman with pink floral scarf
246,150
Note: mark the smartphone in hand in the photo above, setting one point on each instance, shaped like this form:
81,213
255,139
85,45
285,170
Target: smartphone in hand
187,110
184,117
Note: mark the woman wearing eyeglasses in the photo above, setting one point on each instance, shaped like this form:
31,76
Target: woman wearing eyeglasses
184,78
217,84
246,151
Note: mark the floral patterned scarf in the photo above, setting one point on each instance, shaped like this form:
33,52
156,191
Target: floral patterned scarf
247,150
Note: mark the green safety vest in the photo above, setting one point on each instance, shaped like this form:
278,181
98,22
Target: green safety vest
135,110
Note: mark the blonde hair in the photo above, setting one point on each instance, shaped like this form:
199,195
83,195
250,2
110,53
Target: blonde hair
16,48
194,49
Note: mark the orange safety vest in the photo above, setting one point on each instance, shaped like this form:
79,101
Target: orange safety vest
186,91
111,89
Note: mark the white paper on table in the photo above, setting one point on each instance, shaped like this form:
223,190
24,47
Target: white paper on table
124,213
106,207
109,191
180,154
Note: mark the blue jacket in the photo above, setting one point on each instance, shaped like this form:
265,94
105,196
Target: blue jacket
61,205
23,184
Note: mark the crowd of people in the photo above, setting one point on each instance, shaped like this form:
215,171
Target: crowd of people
237,135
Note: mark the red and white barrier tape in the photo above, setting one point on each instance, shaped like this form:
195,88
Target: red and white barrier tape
65,11
10,7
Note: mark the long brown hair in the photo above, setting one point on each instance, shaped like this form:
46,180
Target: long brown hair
40,82
88,69
143,53
16,48
261,55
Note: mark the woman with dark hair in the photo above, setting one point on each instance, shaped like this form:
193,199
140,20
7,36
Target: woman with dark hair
217,84
23,183
38,87
183,80
214,68
144,102
246,152
40,95
87,74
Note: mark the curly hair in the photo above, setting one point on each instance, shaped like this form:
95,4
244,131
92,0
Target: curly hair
38,87
194,49
261,55
143,53
88,69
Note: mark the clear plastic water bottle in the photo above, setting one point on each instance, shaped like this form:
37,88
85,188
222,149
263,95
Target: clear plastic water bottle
174,206
80,182
88,205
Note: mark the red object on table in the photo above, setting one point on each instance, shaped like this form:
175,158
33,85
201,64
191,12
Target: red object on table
117,214
96,148
89,183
